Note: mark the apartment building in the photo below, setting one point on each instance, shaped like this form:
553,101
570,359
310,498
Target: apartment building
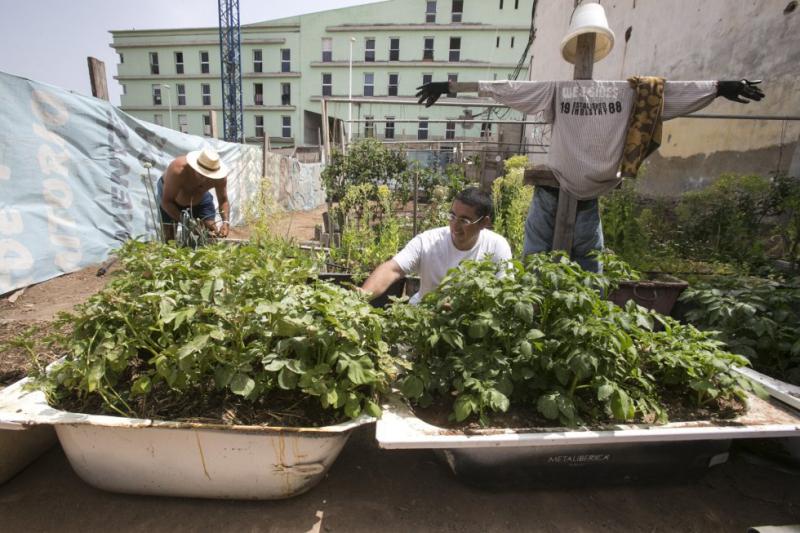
377,52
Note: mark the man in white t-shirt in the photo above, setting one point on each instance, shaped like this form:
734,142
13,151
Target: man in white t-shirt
432,253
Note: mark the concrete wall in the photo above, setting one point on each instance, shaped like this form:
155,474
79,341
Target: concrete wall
691,40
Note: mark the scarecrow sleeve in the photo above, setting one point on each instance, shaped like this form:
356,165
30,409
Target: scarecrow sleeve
524,96
684,97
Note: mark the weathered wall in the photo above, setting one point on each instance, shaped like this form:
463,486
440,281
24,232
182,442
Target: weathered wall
690,40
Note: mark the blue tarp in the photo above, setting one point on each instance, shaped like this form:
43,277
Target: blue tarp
72,177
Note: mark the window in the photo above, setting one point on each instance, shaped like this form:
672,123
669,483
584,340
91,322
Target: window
124,89
454,79
286,94
430,11
369,84
180,88
389,131
286,126
205,91
512,42
259,125
286,60
153,62
258,93
327,49
369,126
393,82
455,48
183,123
501,4
204,63
178,62
394,49
121,57
486,129
422,129
427,52
497,44
450,131
156,94
327,84
207,124
369,49
158,118
458,8
516,4
258,61
427,78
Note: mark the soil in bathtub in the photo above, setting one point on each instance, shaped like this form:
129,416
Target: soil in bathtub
230,335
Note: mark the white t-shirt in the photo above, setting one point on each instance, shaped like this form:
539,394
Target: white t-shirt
432,253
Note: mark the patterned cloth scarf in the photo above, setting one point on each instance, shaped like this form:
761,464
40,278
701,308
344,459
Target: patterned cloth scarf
644,129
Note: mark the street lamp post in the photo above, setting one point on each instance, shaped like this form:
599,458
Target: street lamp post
169,103
350,95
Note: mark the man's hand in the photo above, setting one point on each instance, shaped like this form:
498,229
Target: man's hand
223,230
741,91
430,92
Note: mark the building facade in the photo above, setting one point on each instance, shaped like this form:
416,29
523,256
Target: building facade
172,76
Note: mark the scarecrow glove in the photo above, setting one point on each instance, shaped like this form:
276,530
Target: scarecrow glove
430,92
741,91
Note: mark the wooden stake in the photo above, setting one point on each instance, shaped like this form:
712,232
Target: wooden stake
97,77
564,232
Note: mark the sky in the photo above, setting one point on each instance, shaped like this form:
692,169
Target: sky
49,40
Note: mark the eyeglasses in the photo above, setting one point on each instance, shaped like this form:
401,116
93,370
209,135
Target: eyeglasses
463,221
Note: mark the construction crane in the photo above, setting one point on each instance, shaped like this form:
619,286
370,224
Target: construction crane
230,54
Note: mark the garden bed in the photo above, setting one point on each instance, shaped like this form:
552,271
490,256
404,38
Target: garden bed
618,453
142,456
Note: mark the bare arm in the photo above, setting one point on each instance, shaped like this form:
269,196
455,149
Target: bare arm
383,276
224,206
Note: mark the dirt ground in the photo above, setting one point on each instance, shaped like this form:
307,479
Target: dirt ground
369,489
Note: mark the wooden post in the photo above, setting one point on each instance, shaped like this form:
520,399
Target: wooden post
97,77
564,232
214,124
416,190
265,151
342,137
326,136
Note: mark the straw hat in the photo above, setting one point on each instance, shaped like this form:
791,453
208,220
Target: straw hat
207,163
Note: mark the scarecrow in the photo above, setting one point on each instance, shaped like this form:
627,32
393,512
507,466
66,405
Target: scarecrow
601,130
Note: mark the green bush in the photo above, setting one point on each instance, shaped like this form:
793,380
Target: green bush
512,198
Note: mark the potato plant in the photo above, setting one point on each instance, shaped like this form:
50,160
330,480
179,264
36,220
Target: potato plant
236,325
541,337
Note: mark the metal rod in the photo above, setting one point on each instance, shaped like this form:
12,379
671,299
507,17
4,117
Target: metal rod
457,121
441,102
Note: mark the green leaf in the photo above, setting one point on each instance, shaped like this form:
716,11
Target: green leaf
498,401
242,384
223,376
464,406
373,409
620,405
412,387
287,380
141,386
197,343
548,406
604,392
329,398
205,291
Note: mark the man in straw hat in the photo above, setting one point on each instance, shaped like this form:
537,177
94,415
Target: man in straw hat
602,130
185,186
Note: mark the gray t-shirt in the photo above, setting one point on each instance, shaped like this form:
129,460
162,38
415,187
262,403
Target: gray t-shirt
590,121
